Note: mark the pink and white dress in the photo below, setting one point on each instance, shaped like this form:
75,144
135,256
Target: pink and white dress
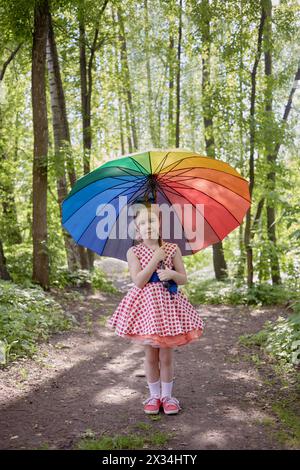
149,315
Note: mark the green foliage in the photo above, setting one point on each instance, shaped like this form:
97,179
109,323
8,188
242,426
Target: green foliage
283,340
116,442
280,339
100,281
257,339
19,263
97,278
63,277
232,293
288,414
231,41
27,316
126,441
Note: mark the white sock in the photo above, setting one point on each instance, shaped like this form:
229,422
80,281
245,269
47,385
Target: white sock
154,388
166,389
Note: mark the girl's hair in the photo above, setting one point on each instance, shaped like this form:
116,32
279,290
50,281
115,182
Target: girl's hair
147,205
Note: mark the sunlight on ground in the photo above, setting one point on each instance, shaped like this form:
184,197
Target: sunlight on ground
121,364
216,437
237,414
114,395
217,314
59,360
237,375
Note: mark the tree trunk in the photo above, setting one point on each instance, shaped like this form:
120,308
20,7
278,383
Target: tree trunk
270,150
40,272
171,62
11,231
75,253
248,236
86,82
123,116
151,114
126,77
177,131
219,262
4,274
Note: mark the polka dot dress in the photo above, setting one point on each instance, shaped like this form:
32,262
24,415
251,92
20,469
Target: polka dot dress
149,315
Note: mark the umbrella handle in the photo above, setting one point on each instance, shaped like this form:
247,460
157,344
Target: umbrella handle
162,266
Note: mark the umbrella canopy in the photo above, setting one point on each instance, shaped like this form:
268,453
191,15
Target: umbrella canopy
96,211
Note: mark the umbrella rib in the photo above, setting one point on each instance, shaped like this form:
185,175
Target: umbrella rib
210,169
212,199
161,163
177,163
104,206
137,163
219,184
149,156
122,168
176,193
116,186
115,223
200,156
98,179
162,191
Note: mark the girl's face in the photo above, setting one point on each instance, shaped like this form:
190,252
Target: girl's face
148,224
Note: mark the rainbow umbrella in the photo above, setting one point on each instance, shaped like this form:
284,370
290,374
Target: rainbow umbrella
96,214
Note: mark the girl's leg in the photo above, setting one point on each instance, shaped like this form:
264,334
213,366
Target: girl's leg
166,371
166,359
152,363
152,370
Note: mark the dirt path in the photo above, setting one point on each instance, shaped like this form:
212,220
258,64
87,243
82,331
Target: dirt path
89,379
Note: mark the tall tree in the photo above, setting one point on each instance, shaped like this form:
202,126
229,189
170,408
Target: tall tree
86,84
269,142
171,64
76,254
40,272
151,113
178,82
11,233
205,10
127,82
248,235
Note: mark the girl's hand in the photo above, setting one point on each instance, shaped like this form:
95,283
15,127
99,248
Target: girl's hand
160,254
165,274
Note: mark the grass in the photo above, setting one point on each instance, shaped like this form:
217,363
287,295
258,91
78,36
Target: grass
284,425
288,414
142,436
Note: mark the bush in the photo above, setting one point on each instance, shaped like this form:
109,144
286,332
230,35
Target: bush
100,281
96,278
280,339
230,293
19,262
283,341
27,316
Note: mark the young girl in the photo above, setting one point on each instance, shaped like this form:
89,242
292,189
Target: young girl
152,314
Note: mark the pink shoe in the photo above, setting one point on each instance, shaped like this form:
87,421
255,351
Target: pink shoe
170,405
152,405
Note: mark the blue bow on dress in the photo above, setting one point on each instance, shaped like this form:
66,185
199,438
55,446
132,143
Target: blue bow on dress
172,286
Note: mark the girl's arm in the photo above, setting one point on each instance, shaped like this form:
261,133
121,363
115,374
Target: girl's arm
138,275
179,274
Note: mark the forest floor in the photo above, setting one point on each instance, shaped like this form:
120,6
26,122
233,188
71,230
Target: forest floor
88,382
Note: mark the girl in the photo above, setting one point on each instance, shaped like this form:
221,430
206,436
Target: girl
152,314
